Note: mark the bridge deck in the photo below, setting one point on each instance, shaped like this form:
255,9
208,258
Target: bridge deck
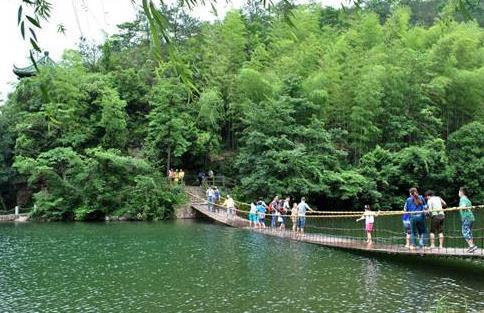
333,241
360,244
220,216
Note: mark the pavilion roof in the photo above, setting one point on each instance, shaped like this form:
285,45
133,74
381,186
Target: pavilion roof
30,70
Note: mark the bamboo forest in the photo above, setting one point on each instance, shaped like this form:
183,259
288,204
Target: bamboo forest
344,106
242,156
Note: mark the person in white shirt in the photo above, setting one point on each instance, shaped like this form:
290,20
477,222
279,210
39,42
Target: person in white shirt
210,199
253,221
369,217
435,205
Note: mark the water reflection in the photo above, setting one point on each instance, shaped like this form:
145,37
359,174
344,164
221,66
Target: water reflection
190,267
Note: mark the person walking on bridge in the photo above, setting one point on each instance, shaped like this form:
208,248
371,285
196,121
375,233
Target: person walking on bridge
302,208
210,199
284,210
415,206
294,217
217,194
437,216
200,177
253,215
230,206
369,217
273,209
261,213
467,218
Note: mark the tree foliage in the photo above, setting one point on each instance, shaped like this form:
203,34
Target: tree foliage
343,106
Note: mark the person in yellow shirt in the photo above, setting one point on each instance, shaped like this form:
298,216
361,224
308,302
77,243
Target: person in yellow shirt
294,216
177,176
230,205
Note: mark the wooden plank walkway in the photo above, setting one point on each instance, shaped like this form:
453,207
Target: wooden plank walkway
360,245
14,218
221,216
355,244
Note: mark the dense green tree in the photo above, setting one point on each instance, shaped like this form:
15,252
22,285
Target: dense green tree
170,128
344,106
466,155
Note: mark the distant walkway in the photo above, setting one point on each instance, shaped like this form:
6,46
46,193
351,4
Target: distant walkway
220,215
14,218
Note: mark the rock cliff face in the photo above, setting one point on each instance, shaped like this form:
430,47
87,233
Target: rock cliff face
195,195
185,211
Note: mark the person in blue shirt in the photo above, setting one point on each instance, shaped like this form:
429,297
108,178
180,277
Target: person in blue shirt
415,206
261,213
302,208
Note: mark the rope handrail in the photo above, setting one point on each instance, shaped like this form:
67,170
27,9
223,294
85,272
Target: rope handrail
352,214
389,212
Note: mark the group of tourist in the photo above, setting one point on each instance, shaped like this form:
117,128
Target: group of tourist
204,177
417,210
278,209
176,176
213,198
419,207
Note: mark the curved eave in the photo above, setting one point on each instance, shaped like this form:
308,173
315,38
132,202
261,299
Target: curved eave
23,72
30,70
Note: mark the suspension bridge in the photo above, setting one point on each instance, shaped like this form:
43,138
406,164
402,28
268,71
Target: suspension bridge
340,230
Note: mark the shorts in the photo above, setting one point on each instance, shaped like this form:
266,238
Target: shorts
467,229
369,227
407,227
437,224
262,220
252,217
301,221
280,220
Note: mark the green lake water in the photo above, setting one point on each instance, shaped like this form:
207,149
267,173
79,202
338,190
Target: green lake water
202,267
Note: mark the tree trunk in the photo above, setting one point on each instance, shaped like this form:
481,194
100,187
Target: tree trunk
168,159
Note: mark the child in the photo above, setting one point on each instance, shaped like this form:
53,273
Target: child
369,217
280,220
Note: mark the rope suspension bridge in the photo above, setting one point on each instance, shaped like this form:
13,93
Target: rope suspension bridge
340,230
